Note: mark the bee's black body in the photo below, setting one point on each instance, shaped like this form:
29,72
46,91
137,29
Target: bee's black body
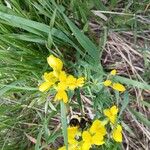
81,122
74,122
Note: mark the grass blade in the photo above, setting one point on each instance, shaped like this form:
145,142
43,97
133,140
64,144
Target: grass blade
133,83
64,123
18,87
85,42
38,142
124,103
140,117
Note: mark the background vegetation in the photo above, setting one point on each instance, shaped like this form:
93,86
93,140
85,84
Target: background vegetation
92,37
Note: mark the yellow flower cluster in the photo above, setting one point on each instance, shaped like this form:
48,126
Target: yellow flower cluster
116,86
59,80
112,117
94,135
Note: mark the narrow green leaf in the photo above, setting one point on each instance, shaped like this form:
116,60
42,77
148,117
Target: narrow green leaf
18,87
64,123
133,83
52,106
125,102
53,19
38,141
140,117
46,107
7,10
145,104
127,128
79,99
22,21
27,37
30,25
85,42
4,88
37,28
53,137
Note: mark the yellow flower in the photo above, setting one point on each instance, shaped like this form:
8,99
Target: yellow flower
117,133
59,79
55,63
107,82
113,72
73,144
89,139
71,147
45,86
61,86
111,113
95,135
50,77
62,76
97,126
80,82
72,133
71,82
98,139
50,80
118,87
61,95
62,148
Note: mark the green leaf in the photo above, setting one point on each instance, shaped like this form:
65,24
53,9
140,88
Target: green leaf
4,88
145,103
127,128
91,53
125,102
140,117
18,87
64,123
33,26
79,99
52,106
27,37
85,42
52,22
38,141
54,136
133,83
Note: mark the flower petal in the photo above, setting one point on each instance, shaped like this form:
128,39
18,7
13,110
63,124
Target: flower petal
111,114
107,82
55,63
117,134
61,86
86,146
80,82
94,126
62,148
61,95
86,136
98,127
113,72
107,112
62,76
45,86
71,82
114,110
118,87
97,139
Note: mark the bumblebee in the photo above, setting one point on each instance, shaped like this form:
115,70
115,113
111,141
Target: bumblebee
79,121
